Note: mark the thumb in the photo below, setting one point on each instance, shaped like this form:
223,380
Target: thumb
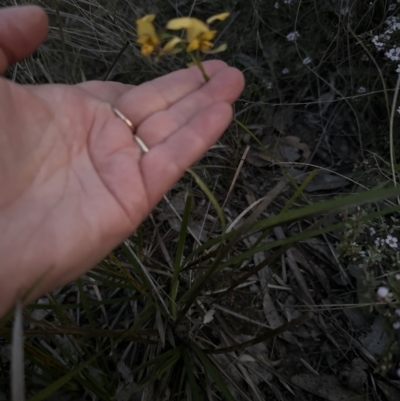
22,29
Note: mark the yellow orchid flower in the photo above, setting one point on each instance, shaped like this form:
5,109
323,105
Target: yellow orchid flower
198,33
147,35
170,46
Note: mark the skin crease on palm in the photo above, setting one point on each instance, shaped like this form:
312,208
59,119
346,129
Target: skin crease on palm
73,182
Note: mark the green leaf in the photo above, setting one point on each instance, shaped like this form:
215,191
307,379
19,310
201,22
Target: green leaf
189,372
157,359
210,196
212,371
49,390
372,195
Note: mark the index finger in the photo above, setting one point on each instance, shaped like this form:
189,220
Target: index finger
159,94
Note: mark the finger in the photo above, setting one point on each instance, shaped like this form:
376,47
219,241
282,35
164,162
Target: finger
108,92
225,86
22,29
161,93
164,164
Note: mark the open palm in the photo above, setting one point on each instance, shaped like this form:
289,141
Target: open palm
73,181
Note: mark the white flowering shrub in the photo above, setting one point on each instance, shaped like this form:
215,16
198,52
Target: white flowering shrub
373,254
388,40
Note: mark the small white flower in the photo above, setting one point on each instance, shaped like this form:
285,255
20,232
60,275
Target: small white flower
378,242
276,5
397,277
344,10
397,312
382,292
396,325
362,254
285,71
365,57
362,89
393,54
292,36
391,241
307,60
398,110
287,1
372,231
378,44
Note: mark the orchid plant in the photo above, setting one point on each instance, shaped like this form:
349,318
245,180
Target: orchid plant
199,37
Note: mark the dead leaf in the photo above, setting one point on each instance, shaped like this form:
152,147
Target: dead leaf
209,316
197,228
256,370
125,372
313,268
317,245
285,149
323,180
325,386
296,142
274,319
283,118
391,392
356,377
378,338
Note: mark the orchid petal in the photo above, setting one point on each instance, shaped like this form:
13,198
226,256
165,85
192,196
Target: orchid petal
217,17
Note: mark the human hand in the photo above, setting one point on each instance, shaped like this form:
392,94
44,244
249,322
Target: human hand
73,181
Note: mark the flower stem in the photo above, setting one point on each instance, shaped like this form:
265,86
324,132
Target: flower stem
196,60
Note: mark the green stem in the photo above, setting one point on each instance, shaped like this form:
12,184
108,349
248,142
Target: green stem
197,61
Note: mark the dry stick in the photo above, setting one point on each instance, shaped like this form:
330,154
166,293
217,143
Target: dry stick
267,336
121,52
279,234
391,139
243,213
238,170
233,183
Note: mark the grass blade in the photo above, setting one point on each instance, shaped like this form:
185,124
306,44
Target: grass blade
213,372
189,372
17,357
179,254
211,197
